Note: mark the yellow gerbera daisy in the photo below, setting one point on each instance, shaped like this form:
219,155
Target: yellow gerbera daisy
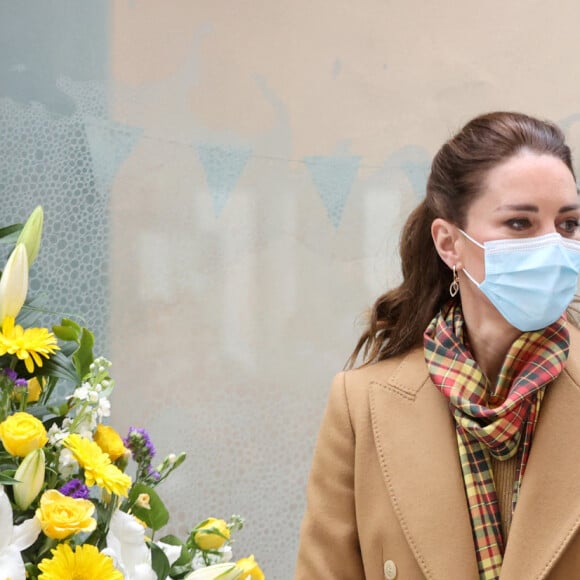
97,466
27,344
85,562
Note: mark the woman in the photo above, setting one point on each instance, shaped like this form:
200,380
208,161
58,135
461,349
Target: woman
453,452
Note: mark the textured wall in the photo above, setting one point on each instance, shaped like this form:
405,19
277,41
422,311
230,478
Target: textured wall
225,183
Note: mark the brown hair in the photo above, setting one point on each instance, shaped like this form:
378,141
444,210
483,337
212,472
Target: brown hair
399,317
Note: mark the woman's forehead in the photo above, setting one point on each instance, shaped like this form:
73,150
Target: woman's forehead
528,178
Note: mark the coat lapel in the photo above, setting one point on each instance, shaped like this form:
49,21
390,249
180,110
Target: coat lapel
417,448
548,511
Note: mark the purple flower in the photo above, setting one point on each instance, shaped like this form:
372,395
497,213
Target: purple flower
75,488
153,473
139,442
11,374
143,451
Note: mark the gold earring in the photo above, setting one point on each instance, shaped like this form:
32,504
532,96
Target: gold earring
454,286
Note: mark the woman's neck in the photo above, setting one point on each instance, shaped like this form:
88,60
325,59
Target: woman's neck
490,338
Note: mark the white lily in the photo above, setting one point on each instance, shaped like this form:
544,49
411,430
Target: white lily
14,283
30,475
217,572
32,233
126,545
14,539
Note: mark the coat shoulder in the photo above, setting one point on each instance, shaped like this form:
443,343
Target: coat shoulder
403,374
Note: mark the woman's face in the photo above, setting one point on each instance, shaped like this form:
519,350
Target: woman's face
528,195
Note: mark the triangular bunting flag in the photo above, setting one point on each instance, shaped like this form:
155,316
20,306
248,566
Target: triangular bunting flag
333,176
415,164
223,167
110,144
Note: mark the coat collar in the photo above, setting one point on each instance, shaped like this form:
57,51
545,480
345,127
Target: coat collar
417,448
548,512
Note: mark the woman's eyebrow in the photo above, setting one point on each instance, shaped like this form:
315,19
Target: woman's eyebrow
569,207
518,207
534,208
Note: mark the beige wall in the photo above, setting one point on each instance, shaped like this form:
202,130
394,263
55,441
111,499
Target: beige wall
258,215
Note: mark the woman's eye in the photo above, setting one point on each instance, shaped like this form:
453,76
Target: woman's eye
570,226
518,223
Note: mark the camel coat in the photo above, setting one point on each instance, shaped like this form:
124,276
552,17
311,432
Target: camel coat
385,497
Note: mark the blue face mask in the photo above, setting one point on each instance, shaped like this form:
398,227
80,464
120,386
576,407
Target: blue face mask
531,281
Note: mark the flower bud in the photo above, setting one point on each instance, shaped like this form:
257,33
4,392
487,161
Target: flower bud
14,283
143,501
211,534
30,476
35,387
109,441
32,233
250,568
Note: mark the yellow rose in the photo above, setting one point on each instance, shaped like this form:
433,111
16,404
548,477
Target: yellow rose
61,516
22,433
110,442
250,568
212,534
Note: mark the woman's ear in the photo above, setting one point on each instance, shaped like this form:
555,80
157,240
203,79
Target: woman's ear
447,240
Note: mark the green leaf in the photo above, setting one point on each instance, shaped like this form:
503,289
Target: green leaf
83,357
159,562
32,310
157,515
71,324
68,348
6,479
65,333
60,367
9,234
41,412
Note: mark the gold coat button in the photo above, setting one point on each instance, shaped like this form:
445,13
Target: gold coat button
390,570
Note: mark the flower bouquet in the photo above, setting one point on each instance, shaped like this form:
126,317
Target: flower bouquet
69,507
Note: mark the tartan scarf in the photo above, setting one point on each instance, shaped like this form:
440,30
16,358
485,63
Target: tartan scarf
532,362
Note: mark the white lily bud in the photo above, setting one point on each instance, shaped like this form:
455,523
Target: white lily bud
14,283
30,476
31,234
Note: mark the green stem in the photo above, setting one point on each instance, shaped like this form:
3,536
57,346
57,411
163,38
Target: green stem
5,394
108,515
46,394
23,400
48,544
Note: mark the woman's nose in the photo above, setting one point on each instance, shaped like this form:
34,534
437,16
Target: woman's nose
549,229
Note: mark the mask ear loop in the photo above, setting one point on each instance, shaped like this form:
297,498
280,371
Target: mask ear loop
454,286
471,239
